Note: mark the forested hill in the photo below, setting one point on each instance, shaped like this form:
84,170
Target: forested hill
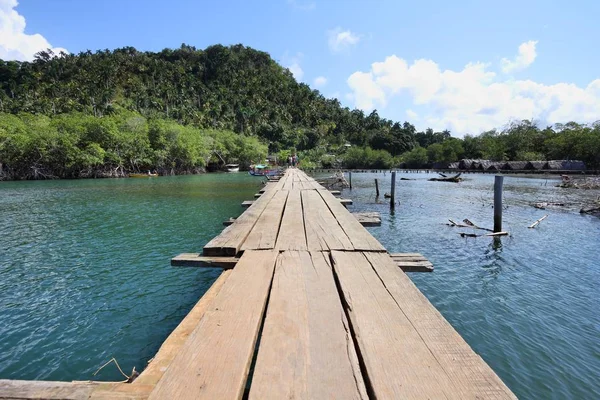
112,112
232,88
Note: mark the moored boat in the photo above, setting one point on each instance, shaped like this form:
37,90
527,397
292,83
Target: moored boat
232,167
148,175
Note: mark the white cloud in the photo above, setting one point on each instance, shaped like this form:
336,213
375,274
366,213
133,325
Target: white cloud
320,81
303,6
15,44
412,115
525,58
293,64
473,99
340,39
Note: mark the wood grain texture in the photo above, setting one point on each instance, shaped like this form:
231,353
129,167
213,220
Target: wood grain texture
229,242
214,362
264,233
471,376
16,389
198,260
172,346
398,363
361,238
306,349
322,229
292,235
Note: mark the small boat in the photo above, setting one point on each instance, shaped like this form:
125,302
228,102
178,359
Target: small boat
148,175
262,170
233,167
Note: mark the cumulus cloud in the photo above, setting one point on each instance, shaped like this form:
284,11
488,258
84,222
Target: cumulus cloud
525,58
320,81
473,99
340,40
15,44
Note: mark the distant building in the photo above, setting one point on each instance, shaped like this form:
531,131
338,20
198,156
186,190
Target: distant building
565,165
514,165
535,165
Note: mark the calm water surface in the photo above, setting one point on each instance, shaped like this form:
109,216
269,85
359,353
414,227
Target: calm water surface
85,275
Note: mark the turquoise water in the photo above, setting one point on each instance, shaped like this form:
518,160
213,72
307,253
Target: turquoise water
85,273
529,304
85,268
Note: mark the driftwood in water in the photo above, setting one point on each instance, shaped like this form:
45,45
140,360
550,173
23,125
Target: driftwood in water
463,234
456,178
593,209
467,224
387,195
543,205
407,179
585,183
538,221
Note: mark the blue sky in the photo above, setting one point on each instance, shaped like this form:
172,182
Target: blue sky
463,65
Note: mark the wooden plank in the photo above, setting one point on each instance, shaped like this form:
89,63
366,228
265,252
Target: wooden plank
398,363
335,192
229,242
361,238
292,235
414,266
408,255
198,260
470,375
264,233
368,218
171,347
288,184
306,349
214,362
257,195
19,389
345,202
322,229
247,203
229,222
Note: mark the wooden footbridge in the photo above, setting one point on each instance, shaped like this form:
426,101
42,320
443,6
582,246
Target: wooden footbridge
309,306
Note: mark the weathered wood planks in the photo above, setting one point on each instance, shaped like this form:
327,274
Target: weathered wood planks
322,229
292,235
172,346
306,349
214,362
229,242
471,376
15,389
198,260
264,233
361,238
368,218
412,262
399,365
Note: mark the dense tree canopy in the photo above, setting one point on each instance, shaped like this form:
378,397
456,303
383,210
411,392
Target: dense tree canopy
232,88
109,112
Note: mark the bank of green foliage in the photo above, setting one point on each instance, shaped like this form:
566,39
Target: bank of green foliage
233,88
519,141
78,145
104,113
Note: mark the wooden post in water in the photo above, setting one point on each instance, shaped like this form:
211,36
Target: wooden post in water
498,203
376,187
393,191
350,178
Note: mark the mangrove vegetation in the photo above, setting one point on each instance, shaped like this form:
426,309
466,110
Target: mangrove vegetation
107,113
